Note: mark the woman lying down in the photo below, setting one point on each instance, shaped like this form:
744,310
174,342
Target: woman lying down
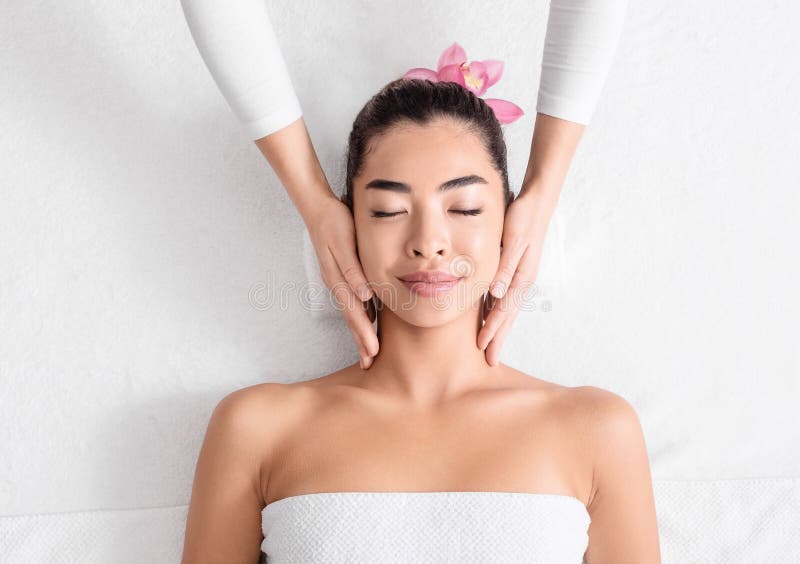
433,455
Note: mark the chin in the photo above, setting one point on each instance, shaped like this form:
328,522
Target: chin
429,318
427,311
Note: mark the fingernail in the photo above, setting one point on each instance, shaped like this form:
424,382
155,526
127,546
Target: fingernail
363,292
498,289
361,362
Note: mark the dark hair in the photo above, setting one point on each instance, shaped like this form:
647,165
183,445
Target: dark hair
421,101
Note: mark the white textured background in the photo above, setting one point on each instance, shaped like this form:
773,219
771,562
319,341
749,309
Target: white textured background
138,227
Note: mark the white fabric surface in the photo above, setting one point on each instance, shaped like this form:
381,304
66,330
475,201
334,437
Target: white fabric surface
137,218
240,49
425,527
579,47
747,521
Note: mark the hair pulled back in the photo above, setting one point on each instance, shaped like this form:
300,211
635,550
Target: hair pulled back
419,101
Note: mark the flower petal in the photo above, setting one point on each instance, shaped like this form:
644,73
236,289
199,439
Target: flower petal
504,111
494,70
453,55
452,73
475,77
423,73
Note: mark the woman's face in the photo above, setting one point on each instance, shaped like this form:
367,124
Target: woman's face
407,204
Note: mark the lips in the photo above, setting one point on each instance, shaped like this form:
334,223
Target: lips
429,277
428,283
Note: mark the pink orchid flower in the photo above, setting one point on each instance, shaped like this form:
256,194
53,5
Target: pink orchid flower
476,76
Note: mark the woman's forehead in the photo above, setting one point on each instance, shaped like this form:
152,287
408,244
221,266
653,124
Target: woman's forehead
437,150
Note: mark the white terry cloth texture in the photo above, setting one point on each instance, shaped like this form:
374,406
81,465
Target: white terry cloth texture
138,221
700,522
444,527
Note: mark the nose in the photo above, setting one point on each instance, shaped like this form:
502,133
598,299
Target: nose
429,235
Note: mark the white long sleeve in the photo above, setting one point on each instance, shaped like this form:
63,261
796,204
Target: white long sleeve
579,47
238,45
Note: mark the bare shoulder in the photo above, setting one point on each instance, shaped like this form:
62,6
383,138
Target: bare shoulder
602,407
255,416
247,408
609,424
224,519
623,527
268,411
255,396
264,408
588,405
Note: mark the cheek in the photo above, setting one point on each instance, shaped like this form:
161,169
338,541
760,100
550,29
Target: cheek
483,247
372,250
489,260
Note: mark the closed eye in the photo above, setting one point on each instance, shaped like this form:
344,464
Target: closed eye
462,212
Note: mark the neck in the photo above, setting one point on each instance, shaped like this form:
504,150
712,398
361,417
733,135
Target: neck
429,365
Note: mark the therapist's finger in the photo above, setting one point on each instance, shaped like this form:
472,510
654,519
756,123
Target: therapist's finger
496,344
350,267
510,256
356,316
506,308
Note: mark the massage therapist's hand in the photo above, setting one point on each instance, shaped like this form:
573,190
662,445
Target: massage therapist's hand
291,155
524,231
332,232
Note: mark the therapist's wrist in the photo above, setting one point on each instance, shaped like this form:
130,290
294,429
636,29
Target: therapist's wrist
291,155
317,197
541,198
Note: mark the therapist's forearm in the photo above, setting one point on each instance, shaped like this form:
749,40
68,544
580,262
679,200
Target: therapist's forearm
552,148
291,154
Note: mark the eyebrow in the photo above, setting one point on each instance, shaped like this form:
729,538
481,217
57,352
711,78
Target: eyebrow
394,186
